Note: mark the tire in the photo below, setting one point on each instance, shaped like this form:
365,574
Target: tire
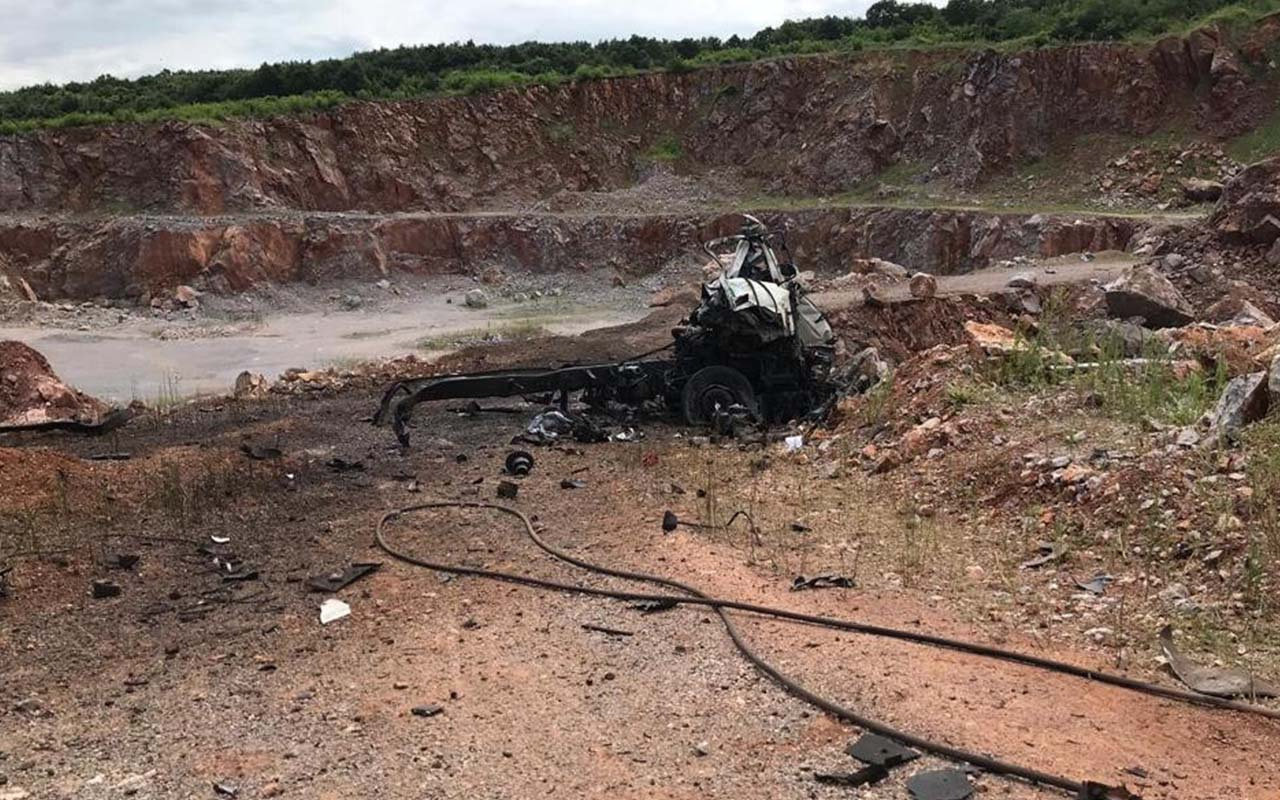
714,386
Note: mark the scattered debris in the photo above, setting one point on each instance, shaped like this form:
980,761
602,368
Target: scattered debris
226,789
332,610
1095,585
260,452
1101,791
669,521
1049,553
829,581
429,710
102,589
28,705
572,483
336,581
940,784
341,465
1218,682
586,626
250,385
122,560
653,606
872,748
868,775
508,490
549,426
747,314
519,462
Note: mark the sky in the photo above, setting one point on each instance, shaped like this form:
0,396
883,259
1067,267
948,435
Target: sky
75,40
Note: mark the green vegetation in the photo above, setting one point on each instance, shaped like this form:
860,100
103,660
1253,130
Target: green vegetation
1258,143
515,330
667,148
1262,442
462,68
1154,387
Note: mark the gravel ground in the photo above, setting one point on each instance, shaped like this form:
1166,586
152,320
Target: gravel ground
196,682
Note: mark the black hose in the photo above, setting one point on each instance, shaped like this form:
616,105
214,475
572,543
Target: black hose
698,598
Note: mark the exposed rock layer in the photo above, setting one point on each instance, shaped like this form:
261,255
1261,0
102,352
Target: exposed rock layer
801,125
133,256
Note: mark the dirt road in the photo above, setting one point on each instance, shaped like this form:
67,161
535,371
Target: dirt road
161,360
1060,271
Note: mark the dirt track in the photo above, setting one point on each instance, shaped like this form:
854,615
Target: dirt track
244,686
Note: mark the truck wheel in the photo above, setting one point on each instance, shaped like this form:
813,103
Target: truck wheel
715,387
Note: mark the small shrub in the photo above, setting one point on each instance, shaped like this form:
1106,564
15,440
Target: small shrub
667,149
476,81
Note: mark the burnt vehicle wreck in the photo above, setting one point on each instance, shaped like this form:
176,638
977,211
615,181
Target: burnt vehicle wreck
754,346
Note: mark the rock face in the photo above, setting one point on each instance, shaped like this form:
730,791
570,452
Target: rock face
354,192
803,126
133,256
31,394
1144,292
1249,211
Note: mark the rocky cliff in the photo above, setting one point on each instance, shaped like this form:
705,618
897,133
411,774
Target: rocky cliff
801,126
132,257
372,187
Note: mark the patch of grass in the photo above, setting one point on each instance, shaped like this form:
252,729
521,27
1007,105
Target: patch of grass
191,112
969,393
665,149
1135,390
474,81
360,335
493,332
875,408
1258,143
1157,389
1262,442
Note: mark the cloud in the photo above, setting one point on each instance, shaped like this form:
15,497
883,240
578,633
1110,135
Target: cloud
127,38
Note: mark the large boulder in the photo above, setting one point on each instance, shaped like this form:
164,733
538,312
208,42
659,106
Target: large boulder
31,394
1236,311
878,266
1199,190
1244,400
1249,211
476,298
1144,292
923,285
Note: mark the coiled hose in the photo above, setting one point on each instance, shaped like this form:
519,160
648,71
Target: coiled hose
695,597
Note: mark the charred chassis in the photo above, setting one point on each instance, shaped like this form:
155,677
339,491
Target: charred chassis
755,344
